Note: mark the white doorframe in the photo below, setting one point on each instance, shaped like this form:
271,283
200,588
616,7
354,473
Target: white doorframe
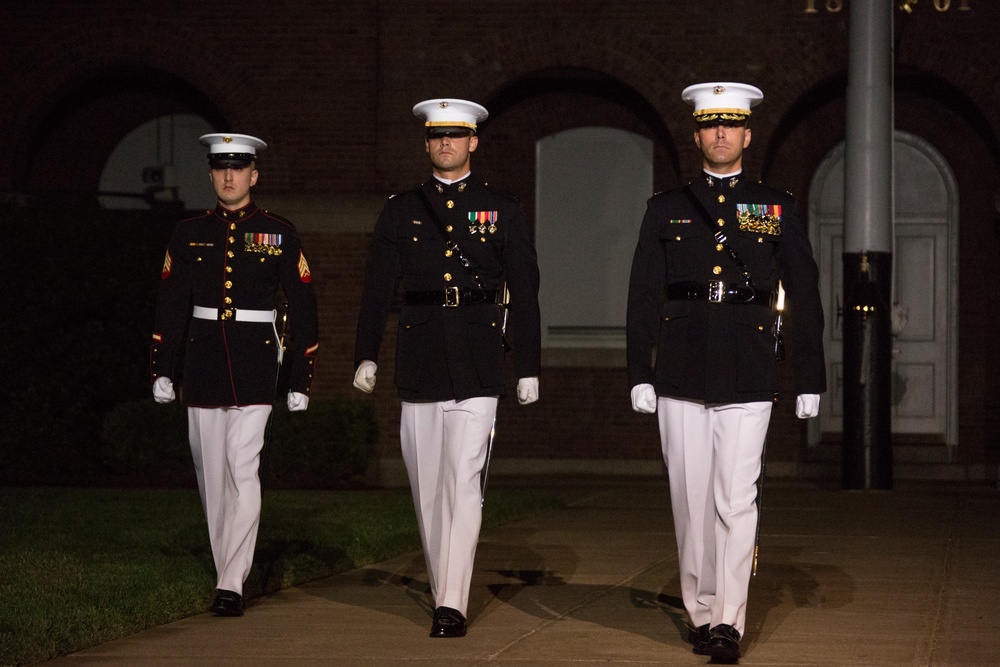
824,207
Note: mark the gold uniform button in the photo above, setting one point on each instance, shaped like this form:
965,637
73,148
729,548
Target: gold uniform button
232,240
760,328
719,247
677,238
229,284
760,239
451,204
447,277
230,254
229,299
482,239
448,228
448,253
415,238
721,222
716,270
722,198
232,226
229,269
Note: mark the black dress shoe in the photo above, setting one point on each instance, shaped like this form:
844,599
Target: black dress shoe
724,644
448,622
227,603
698,638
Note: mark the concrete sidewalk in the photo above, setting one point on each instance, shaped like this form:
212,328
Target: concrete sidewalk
907,577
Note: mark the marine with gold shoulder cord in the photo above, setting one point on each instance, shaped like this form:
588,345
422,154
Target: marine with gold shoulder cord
705,271
449,349
216,310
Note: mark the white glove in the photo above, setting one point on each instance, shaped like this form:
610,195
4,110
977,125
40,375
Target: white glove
644,398
163,390
806,405
297,401
527,390
364,377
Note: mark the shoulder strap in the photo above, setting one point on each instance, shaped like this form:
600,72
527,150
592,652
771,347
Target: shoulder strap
719,235
449,242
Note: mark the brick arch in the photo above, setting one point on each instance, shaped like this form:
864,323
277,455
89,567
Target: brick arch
507,57
86,105
928,47
803,110
587,62
84,123
581,82
539,81
818,112
935,88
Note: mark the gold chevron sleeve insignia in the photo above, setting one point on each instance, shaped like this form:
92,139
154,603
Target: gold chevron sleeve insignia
304,274
167,263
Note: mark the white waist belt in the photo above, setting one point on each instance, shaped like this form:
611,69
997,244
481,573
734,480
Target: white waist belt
243,315
237,314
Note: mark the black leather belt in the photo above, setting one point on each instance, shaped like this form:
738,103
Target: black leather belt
450,297
717,291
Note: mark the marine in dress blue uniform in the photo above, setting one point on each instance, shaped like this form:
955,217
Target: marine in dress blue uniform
701,293
449,366
216,315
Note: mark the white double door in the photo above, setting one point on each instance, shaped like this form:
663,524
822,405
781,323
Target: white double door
925,275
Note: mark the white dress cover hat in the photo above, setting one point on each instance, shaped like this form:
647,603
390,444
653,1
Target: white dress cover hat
450,113
722,100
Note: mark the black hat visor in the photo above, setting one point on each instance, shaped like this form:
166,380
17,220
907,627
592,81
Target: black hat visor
230,160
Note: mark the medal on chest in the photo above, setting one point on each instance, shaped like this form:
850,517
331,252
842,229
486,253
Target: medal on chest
482,222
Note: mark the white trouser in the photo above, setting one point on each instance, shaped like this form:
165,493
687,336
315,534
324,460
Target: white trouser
713,457
226,445
444,449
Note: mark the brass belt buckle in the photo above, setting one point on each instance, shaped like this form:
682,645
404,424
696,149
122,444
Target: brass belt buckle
227,314
451,297
716,291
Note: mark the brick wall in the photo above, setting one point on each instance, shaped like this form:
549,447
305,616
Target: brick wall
331,87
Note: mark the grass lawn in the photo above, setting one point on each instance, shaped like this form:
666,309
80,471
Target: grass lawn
79,567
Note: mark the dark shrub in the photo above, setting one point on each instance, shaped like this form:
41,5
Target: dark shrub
147,441
75,333
326,446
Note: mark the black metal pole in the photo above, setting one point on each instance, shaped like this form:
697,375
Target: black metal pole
867,444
